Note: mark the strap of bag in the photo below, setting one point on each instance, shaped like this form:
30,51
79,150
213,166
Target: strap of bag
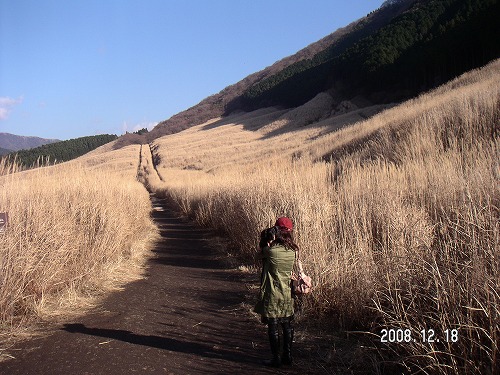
301,283
298,263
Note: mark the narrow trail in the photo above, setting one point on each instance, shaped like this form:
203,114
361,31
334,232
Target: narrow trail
185,317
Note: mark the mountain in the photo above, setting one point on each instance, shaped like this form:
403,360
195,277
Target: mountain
13,142
429,43
226,100
402,49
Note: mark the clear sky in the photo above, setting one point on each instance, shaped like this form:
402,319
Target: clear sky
71,68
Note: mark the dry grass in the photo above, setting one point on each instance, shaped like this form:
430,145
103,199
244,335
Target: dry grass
397,215
75,230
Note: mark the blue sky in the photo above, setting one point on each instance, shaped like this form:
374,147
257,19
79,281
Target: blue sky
71,68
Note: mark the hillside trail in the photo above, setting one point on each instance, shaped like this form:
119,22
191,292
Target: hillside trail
186,316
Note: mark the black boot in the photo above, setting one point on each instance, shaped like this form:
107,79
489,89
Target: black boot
274,340
287,326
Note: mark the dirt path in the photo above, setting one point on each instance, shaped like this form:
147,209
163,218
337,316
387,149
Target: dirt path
185,317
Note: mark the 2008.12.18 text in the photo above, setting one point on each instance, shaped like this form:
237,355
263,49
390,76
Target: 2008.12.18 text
399,335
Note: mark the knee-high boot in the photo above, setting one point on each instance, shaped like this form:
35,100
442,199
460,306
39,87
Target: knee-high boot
287,341
274,340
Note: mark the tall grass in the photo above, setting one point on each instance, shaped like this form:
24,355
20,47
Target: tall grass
397,216
9,166
73,233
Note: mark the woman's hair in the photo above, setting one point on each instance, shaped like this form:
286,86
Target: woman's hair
278,235
285,238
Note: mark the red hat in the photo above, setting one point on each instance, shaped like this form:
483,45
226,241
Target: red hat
285,224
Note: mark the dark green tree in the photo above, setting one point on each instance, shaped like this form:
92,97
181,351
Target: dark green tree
62,151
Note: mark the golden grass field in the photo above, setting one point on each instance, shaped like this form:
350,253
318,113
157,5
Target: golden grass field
396,210
75,231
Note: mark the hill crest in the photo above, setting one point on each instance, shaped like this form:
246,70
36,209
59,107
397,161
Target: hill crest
12,142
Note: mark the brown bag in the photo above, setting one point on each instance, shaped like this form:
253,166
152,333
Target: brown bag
301,284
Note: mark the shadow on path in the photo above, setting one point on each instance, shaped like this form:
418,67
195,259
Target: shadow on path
153,341
185,317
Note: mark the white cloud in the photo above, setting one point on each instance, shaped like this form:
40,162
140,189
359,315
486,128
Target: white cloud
3,113
147,125
6,105
142,125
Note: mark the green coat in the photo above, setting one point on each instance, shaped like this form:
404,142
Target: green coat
275,298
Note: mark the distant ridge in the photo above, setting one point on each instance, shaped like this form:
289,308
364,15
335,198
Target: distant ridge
11,142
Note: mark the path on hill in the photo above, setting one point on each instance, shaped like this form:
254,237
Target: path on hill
184,317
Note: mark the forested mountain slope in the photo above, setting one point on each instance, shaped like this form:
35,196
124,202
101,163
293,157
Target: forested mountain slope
428,44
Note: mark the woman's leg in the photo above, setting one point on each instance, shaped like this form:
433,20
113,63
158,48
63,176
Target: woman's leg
288,330
274,340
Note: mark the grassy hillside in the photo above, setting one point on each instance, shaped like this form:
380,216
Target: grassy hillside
76,230
396,215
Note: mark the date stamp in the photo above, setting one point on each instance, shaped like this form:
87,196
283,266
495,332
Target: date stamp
429,335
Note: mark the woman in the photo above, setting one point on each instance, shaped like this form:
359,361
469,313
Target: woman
278,252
